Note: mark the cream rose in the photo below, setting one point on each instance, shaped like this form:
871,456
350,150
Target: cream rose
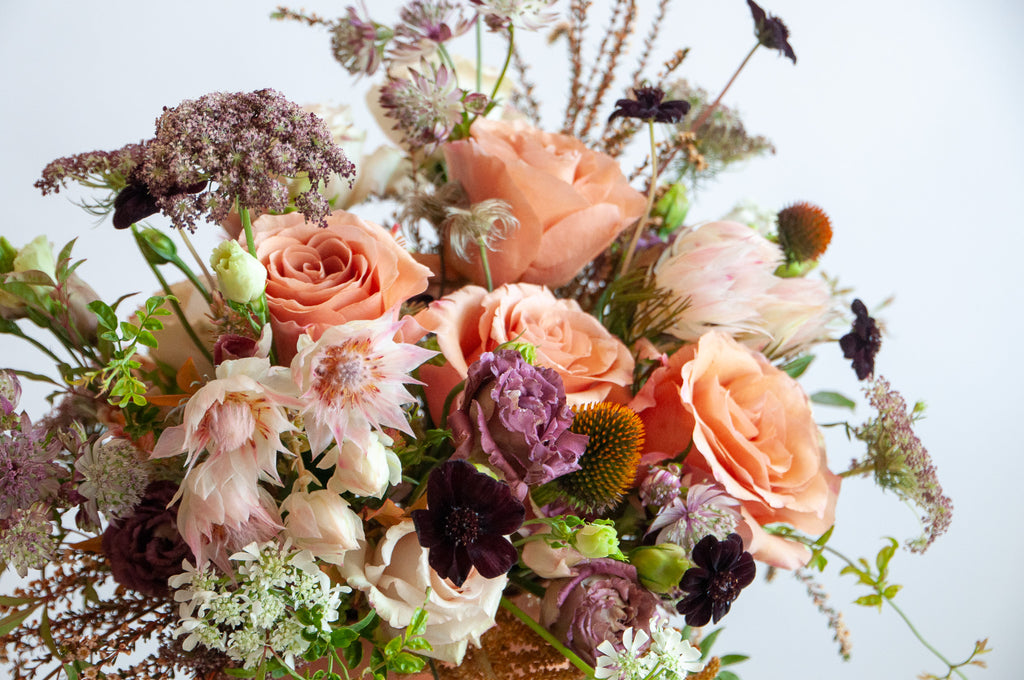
322,277
571,202
594,365
395,577
752,431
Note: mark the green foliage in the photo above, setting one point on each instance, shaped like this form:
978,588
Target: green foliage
633,307
118,377
796,367
875,578
833,399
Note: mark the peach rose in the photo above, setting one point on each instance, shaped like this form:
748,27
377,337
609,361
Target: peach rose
321,277
594,365
752,430
571,202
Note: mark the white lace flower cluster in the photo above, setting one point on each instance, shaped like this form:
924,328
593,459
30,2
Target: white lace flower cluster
668,657
262,613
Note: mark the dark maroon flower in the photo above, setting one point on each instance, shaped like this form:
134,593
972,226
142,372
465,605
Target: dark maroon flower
467,518
648,105
145,549
723,570
863,341
231,346
514,416
135,203
770,31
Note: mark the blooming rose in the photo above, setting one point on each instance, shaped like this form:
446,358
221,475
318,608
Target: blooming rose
726,272
322,522
594,365
514,416
322,277
571,202
752,431
598,602
396,576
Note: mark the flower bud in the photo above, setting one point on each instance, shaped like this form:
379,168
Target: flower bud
661,566
597,540
37,255
323,522
157,247
241,276
672,208
10,392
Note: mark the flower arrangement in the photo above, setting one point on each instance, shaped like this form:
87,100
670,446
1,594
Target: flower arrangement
540,427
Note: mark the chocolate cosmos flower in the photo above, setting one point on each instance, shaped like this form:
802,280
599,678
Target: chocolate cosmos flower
648,105
863,341
770,31
723,570
467,518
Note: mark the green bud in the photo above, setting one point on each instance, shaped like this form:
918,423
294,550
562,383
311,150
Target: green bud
672,208
596,540
528,351
241,276
38,255
661,566
157,247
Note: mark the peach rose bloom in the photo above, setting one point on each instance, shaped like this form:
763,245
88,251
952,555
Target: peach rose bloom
594,365
752,431
322,277
571,202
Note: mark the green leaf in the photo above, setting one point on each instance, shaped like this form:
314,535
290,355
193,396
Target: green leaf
353,655
8,601
12,621
407,663
146,338
890,592
872,600
708,641
239,672
343,637
32,277
65,252
72,671
727,675
833,399
47,636
730,659
418,624
105,315
393,647
885,555
418,644
796,367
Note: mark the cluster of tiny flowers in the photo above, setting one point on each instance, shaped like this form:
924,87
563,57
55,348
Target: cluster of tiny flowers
113,477
25,540
263,611
661,486
358,43
529,14
705,510
669,656
27,471
900,461
243,143
426,107
108,169
426,24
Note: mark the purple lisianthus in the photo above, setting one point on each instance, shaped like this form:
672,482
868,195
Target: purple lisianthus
514,415
145,549
601,600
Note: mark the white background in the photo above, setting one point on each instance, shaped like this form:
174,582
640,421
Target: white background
902,119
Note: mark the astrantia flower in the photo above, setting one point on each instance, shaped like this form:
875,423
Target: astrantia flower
426,107
113,477
661,486
648,104
706,510
863,341
770,31
352,381
26,541
426,24
723,570
529,14
468,516
27,471
357,43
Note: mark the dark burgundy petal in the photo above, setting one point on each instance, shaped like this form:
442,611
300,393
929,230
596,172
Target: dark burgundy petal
493,556
697,611
720,608
427,531
744,571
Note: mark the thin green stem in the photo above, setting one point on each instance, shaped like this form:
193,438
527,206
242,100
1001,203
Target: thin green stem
486,265
706,113
210,281
288,669
642,222
921,639
446,59
546,636
504,68
479,52
250,242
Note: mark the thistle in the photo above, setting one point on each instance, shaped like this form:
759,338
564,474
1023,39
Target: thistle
608,465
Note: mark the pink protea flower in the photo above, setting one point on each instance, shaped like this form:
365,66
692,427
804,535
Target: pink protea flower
237,415
223,510
352,381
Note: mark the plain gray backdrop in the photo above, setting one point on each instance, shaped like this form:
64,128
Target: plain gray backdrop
901,119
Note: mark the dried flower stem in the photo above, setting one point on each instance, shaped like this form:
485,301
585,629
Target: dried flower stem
695,127
649,41
608,69
546,636
642,222
577,90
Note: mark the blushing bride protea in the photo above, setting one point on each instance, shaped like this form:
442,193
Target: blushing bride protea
352,382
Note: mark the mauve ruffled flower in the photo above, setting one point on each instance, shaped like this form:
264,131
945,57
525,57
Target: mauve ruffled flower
600,601
515,416
145,549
